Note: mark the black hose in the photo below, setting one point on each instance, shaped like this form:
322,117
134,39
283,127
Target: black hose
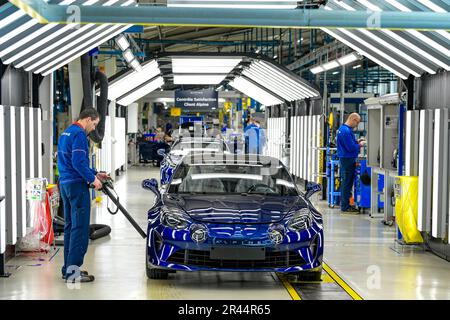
102,106
102,101
97,231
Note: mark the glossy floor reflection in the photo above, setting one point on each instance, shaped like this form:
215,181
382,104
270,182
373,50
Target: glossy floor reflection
360,249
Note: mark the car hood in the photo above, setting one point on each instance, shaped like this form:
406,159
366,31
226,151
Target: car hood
250,209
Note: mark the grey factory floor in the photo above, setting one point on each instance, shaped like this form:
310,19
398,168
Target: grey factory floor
360,249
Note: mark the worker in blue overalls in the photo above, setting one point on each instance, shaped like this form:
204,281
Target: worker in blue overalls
75,176
347,150
251,134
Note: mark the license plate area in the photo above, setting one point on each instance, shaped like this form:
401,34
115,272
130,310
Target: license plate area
230,253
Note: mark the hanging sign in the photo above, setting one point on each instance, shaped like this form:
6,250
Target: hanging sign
199,99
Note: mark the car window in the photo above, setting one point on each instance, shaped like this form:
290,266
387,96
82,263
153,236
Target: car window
232,179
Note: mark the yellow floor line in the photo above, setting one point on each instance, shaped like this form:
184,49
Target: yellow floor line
292,292
352,293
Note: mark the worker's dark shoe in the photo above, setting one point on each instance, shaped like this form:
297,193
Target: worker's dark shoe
82,278
82,272
351,210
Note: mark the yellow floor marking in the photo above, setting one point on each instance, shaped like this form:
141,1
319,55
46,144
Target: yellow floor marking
292,292
325,279
352,293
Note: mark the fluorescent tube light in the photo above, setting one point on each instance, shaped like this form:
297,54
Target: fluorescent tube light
39,43
132,80
357,66
274,82
54,45
317,69
18,30
202,70
204,62
296,85
398,51
136,65
330,65
198,79
398,5
433,6
237,4
141,92
349,58
254,92
128,55
122,42
371,57
28,38
11,18
76,52
379,52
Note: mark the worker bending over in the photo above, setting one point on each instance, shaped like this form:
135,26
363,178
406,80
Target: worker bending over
347,150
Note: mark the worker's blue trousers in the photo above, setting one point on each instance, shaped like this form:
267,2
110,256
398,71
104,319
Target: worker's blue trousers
348,166
77,213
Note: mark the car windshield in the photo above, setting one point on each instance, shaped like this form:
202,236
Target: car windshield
198,145
242,179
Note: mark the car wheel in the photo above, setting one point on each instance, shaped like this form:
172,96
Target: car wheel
309,275
154,273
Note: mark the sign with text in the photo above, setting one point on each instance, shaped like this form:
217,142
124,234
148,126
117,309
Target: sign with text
199,99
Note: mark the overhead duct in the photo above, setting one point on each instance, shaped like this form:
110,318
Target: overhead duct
102,100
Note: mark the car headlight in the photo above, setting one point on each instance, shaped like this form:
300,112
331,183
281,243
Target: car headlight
300,220
174,219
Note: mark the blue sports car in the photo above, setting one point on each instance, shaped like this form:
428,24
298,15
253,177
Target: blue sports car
227,212
184,146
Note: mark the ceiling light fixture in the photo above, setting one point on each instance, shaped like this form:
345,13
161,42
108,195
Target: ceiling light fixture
141,91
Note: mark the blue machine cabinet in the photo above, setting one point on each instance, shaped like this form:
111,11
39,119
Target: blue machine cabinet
333,178
361,190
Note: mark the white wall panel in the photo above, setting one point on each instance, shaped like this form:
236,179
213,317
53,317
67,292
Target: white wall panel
10,174
425,170
132,118
121,148
21,171
440,175
2,184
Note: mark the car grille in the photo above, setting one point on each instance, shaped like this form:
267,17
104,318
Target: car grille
274,259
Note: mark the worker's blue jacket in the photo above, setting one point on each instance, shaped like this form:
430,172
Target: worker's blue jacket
73,156
347,146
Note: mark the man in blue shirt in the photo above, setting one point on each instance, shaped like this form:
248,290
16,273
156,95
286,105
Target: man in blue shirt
75,176
347,151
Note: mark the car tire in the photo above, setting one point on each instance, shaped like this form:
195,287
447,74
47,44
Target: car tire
309,275
155,273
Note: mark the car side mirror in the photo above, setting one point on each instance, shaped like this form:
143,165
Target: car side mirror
152,185
312,188
161,152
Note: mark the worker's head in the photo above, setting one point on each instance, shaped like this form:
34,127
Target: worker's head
353,120
89,119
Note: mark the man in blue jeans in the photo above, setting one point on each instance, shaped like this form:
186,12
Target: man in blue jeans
75,176
347,151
